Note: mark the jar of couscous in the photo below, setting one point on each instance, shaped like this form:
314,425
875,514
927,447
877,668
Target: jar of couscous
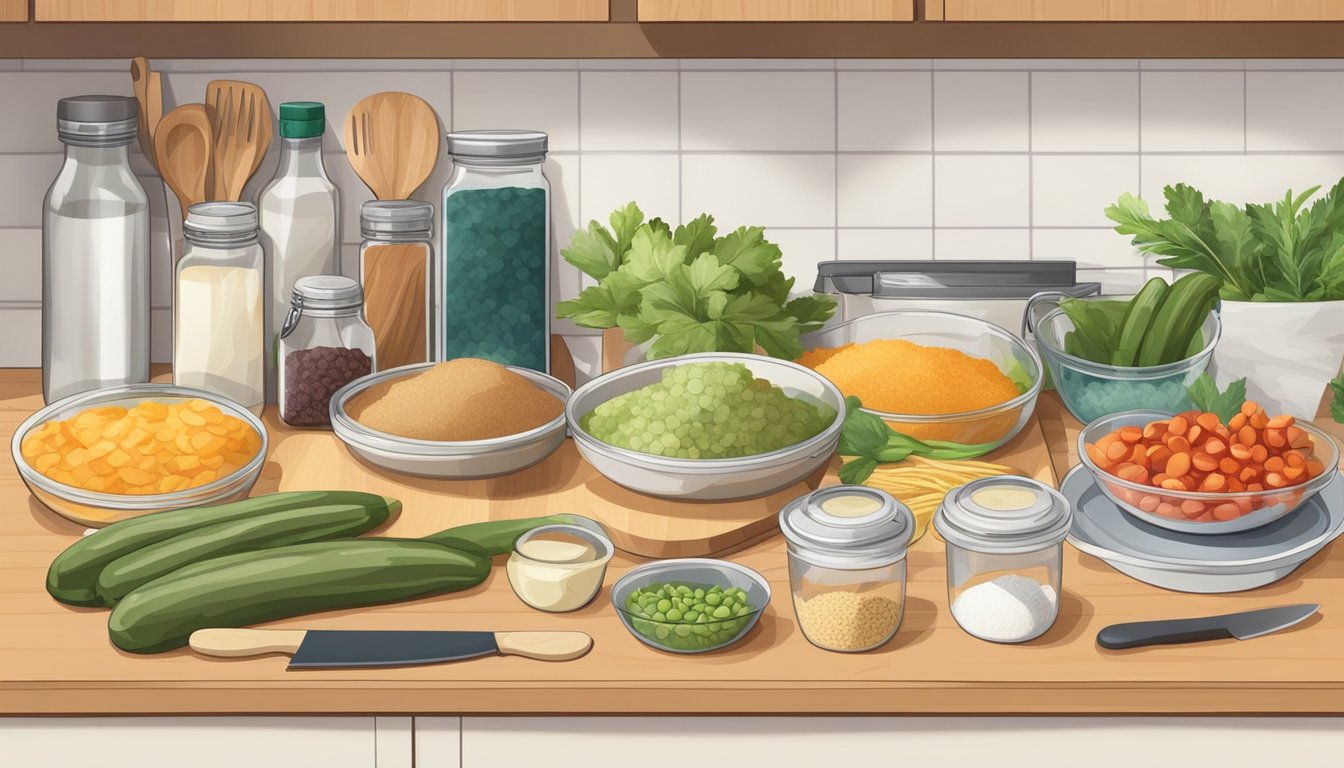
847,568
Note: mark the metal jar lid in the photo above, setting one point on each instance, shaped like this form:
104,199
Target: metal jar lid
868,540
96,121
500,145
220,223
328,292
398,218
1041,521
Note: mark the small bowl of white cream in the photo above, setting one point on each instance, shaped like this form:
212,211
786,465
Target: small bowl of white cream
559,568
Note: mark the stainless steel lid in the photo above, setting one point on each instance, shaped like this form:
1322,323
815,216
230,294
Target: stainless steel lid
512,145
400,218
1030,516
951,279
873,531
327,292
220,223
96,121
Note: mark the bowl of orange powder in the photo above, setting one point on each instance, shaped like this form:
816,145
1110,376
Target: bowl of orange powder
932,375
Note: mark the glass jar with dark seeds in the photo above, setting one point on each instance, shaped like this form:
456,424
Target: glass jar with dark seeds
324,345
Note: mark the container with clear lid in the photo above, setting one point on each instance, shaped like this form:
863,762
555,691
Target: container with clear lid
395,269
324,345
219,306
495,255
1004,538
95,254
847,568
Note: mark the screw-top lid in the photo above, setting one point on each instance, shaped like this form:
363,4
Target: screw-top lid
849,527
1003,515
327,292
498,145
220,223
302,119
96,121
379,218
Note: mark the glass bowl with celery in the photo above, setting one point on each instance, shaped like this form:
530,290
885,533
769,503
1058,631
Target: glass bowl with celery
1110,354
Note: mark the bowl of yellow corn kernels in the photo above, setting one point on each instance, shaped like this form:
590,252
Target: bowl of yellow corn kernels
127,451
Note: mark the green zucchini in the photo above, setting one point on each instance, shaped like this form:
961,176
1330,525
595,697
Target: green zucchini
494,537
1188,303
253,587
275,529
73,575
1138,318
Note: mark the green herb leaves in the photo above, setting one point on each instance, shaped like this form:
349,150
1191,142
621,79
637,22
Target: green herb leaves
1206,397
1280,251
1337,404
688,289
871,442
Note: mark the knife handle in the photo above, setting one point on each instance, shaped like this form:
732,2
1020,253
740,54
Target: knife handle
544,646
246,642
1169,632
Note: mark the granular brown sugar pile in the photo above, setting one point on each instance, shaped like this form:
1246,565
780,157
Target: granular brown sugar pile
462,399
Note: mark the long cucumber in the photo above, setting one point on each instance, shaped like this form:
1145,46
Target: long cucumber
1188,303
274,529
252,587
1138,318
73,575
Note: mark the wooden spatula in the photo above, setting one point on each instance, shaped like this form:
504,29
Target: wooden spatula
182,148
392,141
148,91
242,124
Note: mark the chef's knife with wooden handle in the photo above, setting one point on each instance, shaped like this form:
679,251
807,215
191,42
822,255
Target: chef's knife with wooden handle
325,648
1242,626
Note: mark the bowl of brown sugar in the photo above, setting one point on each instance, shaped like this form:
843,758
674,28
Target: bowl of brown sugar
460,419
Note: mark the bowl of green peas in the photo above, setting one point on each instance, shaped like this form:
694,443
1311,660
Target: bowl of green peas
690,605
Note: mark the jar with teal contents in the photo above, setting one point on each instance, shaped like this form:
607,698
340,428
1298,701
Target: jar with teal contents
495,254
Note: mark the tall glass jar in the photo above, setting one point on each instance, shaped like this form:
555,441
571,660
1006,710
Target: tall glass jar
219,305
324,345
495,250
395,269
95,254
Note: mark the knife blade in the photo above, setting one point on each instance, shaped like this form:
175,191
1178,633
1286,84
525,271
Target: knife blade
329,649
1242,626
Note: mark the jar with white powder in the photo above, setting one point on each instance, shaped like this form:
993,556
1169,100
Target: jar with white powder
1005,556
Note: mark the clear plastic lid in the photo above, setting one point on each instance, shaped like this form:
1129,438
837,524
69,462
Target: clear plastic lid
850,527
1004,515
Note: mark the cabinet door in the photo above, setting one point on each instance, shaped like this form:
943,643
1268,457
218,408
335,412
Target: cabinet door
321,10
776,10
13,10
1136,10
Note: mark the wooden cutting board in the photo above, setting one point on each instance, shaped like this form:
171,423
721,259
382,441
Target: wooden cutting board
565,483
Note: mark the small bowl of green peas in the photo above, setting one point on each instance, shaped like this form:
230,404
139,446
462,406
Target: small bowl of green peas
690,605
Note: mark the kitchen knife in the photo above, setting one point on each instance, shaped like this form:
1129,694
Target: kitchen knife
1242,626
325,648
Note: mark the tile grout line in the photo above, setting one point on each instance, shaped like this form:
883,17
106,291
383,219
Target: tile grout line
681,143
835,163
1139,112
1031,170
933,165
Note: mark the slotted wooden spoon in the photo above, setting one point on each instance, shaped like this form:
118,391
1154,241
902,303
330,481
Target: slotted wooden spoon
183,146
242,124
392,141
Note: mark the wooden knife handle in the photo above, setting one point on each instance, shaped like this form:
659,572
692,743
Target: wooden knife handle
544,646
246,642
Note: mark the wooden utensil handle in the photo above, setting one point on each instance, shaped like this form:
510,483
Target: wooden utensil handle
544,646
245,642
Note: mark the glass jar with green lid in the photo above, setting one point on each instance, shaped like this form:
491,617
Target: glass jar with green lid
495,254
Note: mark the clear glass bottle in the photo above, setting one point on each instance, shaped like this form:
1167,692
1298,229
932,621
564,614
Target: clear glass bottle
324,345
300,219
95,254
1005,556
219,305
396,263
847,546
495,250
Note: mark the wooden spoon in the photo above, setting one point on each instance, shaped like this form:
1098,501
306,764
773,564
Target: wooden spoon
140,85
182,147
392,141
242,124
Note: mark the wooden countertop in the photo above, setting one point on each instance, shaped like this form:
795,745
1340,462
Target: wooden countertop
57,659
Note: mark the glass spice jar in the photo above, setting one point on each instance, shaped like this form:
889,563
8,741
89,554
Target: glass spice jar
324,345
496,250
395,263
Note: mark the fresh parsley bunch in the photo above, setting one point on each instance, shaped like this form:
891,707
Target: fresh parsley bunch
689,290
1282,251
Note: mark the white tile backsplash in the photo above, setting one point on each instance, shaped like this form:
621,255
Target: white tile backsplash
852,159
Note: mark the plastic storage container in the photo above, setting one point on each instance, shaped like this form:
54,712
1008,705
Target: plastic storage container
324,345
95,254
496,252
396,264
847,570
1004,538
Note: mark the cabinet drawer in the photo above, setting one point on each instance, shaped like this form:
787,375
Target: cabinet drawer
1136,10
321,10
776,10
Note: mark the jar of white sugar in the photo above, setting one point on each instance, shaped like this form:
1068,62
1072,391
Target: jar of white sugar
1005,556
847,547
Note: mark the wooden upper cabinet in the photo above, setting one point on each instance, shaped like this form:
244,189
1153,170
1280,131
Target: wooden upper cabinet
1135,10
321,10
776,10
13,10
